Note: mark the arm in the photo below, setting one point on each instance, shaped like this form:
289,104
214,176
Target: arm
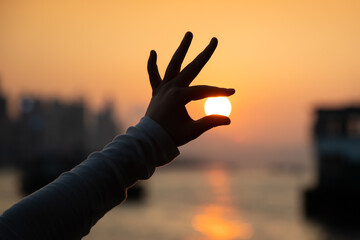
68,207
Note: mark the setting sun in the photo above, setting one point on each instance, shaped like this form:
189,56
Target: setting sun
218,105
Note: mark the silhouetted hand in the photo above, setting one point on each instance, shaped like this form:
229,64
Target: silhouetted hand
171,94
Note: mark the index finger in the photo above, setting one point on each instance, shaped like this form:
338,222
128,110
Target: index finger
200,92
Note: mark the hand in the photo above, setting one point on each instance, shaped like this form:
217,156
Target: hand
171,94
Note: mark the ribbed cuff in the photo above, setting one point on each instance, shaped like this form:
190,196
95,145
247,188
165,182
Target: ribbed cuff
167,146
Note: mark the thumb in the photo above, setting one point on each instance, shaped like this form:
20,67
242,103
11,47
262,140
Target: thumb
208,122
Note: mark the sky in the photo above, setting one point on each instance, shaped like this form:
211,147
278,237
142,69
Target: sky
284,58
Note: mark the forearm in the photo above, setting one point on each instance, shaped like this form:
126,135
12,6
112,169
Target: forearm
68,207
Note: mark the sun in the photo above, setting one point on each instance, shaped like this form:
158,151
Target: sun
218,106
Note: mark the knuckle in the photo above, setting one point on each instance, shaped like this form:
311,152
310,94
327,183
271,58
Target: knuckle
175,92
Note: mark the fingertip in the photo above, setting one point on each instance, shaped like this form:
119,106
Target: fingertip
219,119
208,122
229,121
152,58
214,40
226,121
189,34
231,91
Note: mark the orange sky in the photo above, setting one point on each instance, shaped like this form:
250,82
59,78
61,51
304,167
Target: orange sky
282,57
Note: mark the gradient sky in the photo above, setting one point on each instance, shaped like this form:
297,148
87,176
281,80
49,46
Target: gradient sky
283,58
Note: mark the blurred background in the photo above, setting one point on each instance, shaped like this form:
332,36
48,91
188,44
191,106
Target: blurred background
73,76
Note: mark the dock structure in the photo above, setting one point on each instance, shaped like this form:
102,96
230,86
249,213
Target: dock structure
336,135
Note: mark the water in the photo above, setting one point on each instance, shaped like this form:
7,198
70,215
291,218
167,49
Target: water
183,204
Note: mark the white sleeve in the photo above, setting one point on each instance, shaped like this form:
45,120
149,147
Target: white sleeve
69,206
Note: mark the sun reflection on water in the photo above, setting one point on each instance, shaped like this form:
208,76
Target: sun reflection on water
219,220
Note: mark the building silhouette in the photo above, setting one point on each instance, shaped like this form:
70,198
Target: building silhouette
336,196
4,127
50,136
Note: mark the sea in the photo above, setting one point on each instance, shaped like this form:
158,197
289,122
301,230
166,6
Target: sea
182,203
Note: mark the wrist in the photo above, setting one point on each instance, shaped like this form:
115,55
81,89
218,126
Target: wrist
163,139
